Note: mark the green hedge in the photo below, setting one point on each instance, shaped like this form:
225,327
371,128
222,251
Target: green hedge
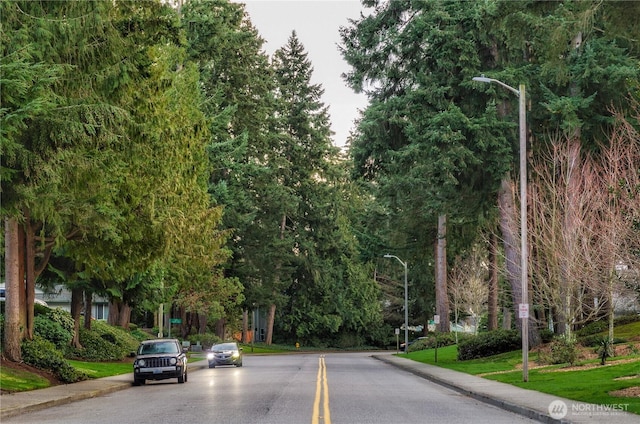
206,340
43,354
488,344
103,343
444,339
52,330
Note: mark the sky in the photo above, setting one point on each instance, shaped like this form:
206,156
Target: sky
316,23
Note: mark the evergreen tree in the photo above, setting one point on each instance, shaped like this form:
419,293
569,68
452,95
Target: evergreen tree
236,83
117,176
416,140
426,118
327,290
60,128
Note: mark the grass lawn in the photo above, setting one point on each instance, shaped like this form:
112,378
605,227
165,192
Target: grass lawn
15,380
591,384
102,369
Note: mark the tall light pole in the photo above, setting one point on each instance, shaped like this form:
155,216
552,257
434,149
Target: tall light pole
523,310
406,304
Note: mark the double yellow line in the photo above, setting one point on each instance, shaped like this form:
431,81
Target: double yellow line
322,394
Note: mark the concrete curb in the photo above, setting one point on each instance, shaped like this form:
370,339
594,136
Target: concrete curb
500,403
528,403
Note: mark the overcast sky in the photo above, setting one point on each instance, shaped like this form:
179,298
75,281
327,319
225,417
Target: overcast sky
316,23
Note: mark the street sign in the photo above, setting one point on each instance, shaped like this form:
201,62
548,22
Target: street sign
436,319
175,320
523,310
397,331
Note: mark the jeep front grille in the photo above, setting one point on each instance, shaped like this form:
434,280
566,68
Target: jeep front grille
157,362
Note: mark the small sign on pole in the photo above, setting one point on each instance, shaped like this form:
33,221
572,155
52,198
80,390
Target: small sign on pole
436,319
523,310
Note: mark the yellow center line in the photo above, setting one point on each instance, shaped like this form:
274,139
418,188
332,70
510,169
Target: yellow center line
322,393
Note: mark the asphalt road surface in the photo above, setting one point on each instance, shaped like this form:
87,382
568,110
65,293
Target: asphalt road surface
349,388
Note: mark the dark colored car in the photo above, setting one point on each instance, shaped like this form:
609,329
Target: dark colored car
160,359
225,354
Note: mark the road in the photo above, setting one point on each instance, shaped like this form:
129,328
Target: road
301,388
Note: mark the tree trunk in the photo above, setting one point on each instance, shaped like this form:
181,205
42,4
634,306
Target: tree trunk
76,308
506,318
12,337
119,314
271,317
442,299
512,253
114,313
22,291
202,323
185,322
30,275
493,283
125,316
506,202
88,304
220,328
245,326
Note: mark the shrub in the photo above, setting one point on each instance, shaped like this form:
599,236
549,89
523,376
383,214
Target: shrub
593,328
605,349
546,335
103,343
591,341
627,319
52,331
62,317
444,339
140,335
603,324
488,344
563,351
42,354
206,340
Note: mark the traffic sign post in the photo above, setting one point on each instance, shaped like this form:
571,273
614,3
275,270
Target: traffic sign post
397,331
173,321
436,321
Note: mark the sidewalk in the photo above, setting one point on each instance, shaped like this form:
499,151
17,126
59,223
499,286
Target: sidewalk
525,402
21,402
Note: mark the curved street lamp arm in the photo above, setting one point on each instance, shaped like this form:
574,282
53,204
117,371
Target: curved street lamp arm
490,80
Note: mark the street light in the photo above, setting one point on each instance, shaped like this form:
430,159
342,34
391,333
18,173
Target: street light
406,304
524,306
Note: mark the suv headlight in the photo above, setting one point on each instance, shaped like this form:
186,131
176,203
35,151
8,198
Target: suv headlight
210,355
140,362
173,361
